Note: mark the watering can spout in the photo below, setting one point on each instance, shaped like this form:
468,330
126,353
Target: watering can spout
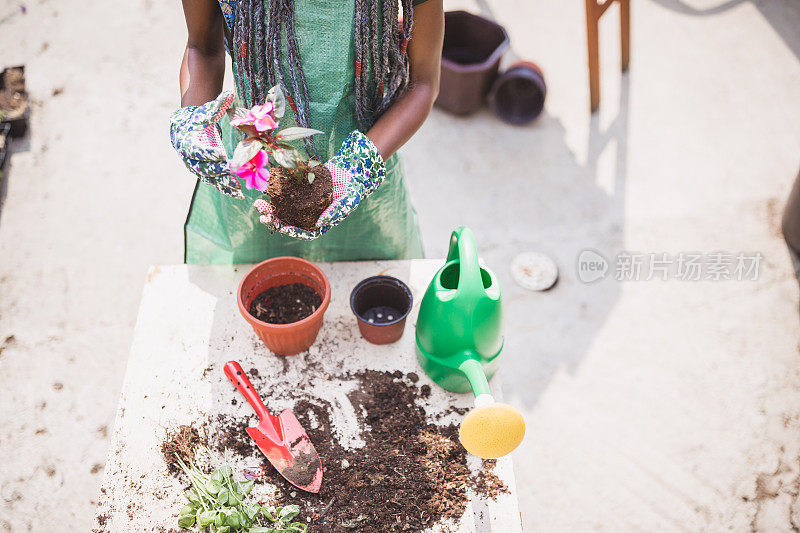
473,370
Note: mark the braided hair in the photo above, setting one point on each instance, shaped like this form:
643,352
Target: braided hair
255,45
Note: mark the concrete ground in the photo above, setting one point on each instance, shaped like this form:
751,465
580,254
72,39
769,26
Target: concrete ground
651,405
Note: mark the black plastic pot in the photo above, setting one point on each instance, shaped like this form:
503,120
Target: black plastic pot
517,96
381,305
473,47
19,125
4,148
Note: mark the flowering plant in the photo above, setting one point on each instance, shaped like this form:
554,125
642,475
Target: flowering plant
250,159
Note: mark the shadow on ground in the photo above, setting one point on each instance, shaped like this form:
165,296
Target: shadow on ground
782,15
523,189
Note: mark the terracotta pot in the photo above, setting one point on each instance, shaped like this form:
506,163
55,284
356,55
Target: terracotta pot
473,47
284,339
517,96
381,305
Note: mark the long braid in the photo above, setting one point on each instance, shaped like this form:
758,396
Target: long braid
260,37
252,63
303,112
388,34
398,68
239,43
361,61
247,55
365,44
257,52
272,44
375,55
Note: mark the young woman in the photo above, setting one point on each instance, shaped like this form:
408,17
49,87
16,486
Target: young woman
364,72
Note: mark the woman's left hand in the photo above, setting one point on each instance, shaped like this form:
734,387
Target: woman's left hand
357,170
195,135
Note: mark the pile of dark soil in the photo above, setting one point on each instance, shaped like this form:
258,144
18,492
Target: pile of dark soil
285,304
299,203
181,443
410,475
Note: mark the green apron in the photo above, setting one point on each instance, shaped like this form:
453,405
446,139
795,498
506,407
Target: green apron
224,230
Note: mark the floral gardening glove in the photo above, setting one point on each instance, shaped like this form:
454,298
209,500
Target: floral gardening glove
268,219
195,135
357,171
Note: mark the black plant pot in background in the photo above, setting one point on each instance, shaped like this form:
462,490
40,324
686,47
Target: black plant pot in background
517,95
4,140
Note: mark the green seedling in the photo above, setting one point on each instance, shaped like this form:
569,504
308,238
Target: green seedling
259,124
216,503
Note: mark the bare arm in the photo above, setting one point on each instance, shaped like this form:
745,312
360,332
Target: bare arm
203,65
406,115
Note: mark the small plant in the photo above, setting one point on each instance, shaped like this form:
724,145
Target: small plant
217,504
263,141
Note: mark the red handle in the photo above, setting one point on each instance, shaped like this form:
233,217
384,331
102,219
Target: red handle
237,376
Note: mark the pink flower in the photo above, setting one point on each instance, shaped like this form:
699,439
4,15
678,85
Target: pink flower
255,172
259,116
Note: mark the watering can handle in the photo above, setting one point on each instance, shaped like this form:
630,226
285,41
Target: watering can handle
464,249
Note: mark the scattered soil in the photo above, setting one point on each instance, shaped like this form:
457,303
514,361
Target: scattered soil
285,304
102,519
13,100
181,443
487,483
230,433
410,475
297,202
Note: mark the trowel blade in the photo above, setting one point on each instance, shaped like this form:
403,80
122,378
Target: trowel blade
294,456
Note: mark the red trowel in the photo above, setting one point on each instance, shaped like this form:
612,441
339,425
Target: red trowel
281,438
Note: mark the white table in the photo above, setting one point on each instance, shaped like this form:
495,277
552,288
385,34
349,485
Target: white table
189,326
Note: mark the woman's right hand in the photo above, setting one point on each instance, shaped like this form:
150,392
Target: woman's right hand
195,135
357,170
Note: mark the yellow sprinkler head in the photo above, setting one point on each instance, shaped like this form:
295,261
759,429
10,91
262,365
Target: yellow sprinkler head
491,430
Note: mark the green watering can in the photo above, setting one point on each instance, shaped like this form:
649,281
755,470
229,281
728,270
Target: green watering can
459,339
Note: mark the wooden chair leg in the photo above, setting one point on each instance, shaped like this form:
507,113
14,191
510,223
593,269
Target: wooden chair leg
593,42
625,32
